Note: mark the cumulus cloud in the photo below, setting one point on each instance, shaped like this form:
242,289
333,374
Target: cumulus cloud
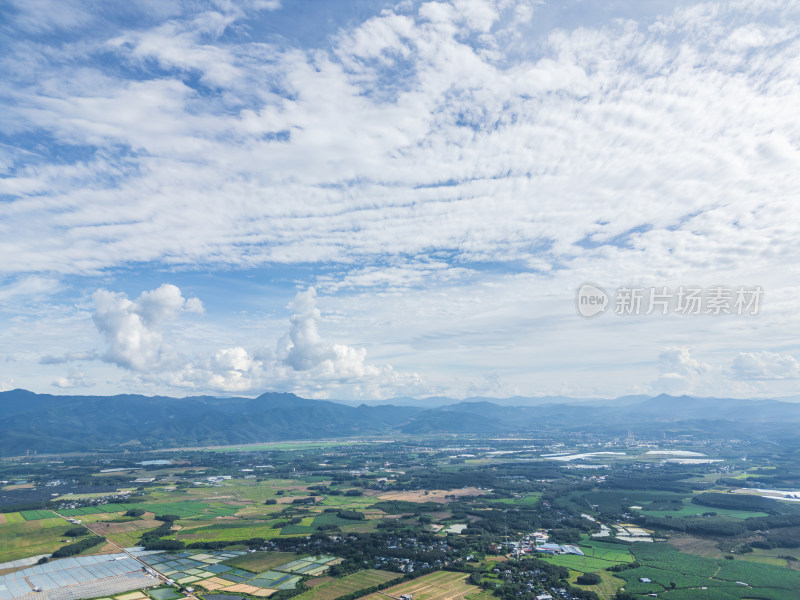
765,365
75,379
133,329
678,371
302,348
303,362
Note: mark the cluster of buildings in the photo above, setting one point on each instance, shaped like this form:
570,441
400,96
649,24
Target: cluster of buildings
214,479
537,542
547,548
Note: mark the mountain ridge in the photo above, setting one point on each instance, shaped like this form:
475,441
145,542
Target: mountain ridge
78,423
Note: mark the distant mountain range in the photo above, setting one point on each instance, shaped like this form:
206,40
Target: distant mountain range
50,424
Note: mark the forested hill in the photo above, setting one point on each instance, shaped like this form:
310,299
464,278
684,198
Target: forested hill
48,424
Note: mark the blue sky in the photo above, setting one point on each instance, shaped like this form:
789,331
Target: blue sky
369,199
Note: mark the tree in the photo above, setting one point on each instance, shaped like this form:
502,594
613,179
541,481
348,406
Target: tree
168,518
589,579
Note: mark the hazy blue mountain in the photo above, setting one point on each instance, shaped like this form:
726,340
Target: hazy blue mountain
48,423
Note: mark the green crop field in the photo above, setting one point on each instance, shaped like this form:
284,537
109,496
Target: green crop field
759,575
14,517
598,556
328,519
347,585
35,515
225,532
28,538
297,530
350,502
682,576
615,500
90,510
584,564
528,499
258,562
690,509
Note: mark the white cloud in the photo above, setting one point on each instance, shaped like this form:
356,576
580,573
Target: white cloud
29,288
42,16
329,155
304,362
75,379
434,157
765,365
679,372
133,329
72,356
302,348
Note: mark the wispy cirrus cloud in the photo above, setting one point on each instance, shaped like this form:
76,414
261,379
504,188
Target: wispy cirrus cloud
323,164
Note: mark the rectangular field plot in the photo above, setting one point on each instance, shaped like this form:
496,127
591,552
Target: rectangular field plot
184,509
442,585
88,510
271,579
289,584
14,517
35,515
348,585
304,565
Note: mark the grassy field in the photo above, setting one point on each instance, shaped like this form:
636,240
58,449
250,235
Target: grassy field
347,585
442,585
527,500
688,574
605,589
351,502
615,500
599,556
14,517
258,562
28,538
774,557
226,532
690,509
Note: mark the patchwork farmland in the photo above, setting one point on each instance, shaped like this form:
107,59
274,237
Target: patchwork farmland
442,585
347,585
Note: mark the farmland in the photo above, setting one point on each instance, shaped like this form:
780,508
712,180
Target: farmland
442,585
376,512
681,575
27,538
347,585
598,556
261,561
